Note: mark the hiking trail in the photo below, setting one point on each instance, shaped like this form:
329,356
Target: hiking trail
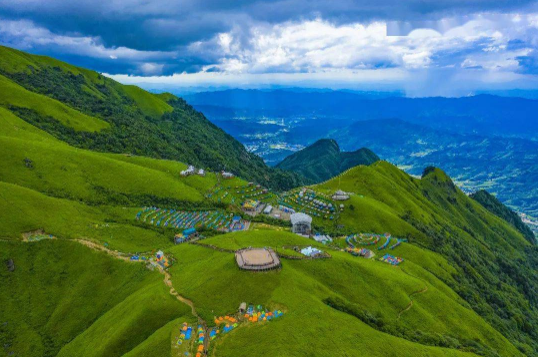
410,305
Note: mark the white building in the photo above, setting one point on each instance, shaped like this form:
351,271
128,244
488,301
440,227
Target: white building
201,172
301,223
268,209
227,175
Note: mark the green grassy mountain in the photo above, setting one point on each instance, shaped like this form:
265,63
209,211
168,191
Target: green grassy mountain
88,110
323,160
492,204
467,286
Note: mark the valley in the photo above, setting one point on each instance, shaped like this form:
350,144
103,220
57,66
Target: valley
502,162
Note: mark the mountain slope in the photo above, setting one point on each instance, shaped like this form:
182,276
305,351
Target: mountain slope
507,167
492,204
323,160
439,323
467,286
141,123
496,266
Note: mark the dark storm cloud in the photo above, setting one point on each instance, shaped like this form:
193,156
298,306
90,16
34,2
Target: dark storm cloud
304,37
163,25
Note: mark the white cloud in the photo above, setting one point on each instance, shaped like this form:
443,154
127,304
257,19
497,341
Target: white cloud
320,46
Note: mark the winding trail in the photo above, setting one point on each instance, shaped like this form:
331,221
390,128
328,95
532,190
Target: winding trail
410,305
167,280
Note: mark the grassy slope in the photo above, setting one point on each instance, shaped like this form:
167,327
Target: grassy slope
60,290
492,204
149,103
393,202
15,95
490,255
140,123
62,171
300,287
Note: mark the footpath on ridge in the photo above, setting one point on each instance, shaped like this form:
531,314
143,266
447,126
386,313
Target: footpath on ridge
167,278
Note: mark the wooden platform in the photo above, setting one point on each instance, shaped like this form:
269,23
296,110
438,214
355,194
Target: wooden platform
257,259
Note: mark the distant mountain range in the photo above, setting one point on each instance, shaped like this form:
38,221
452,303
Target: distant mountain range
324,160
483,142
484,114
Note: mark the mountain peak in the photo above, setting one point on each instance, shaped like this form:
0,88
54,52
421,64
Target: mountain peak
323,160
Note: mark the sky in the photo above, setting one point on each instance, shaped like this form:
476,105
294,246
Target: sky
422,47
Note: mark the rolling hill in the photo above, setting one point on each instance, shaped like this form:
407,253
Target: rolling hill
323,160
467,286
88,110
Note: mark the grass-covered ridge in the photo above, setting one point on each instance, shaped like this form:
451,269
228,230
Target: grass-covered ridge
466,287
323,160
62,298
490,255
492,204
141,123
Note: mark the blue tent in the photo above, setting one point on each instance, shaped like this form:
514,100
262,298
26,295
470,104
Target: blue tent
189,231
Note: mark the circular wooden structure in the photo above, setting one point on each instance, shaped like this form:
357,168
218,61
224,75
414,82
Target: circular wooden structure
257,259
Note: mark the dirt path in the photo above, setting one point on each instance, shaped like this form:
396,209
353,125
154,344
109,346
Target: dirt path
410,305
167,281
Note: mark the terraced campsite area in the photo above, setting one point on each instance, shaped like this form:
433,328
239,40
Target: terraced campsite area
89,264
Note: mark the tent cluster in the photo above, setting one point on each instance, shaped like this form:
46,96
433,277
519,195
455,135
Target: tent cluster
258,313
186,333
385,245
391,259
308,201
365,238
161,259
217,220
240,193
251,191
360,252
201,337
398,242
229,322
250,205
136,258
353,250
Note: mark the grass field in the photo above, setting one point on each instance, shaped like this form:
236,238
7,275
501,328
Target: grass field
65,299
15,95
300,287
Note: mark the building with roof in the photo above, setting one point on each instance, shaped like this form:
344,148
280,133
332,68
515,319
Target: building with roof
340,196
227,175
301,223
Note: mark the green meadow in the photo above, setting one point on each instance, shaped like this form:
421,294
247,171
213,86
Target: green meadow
466,287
